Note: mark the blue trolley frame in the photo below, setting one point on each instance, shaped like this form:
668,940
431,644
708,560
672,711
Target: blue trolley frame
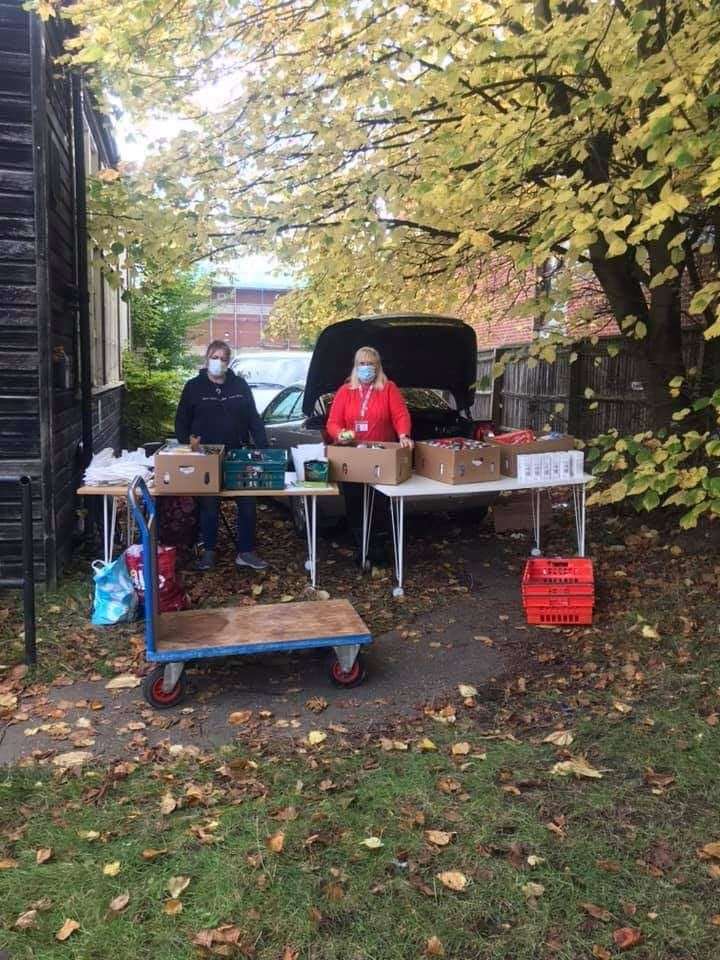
144,511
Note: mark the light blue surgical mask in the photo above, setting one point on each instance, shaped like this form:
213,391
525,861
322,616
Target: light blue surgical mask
366,372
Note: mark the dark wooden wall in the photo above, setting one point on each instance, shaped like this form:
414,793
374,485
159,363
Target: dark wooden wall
19,359
40,236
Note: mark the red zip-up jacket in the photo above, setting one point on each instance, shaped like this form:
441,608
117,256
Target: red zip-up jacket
386,415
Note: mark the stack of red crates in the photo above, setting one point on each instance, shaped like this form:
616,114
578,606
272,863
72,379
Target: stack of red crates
558,591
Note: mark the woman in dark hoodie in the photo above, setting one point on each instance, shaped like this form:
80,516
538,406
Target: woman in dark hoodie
217,406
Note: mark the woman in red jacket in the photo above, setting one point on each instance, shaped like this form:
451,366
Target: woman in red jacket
368,408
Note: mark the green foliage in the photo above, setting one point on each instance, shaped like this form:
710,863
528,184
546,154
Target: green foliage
151,399
163,313
664,469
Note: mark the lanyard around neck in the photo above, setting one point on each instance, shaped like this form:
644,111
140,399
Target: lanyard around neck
365,400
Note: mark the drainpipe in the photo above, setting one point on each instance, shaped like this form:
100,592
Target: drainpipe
82,270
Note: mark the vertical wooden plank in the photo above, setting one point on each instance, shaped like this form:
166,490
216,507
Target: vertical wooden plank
38,86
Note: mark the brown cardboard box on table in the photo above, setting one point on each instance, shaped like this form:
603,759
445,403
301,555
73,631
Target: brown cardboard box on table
179,470
480,464
509,451
378,463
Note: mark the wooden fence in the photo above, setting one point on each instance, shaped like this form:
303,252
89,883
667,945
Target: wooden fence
553,394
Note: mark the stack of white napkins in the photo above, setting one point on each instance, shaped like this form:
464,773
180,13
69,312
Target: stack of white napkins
107,468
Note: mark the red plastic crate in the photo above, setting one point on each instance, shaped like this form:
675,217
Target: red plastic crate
550,577
577,613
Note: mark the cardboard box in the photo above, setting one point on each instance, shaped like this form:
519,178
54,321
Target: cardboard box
479,464
509,451
515,513
179,470
383,463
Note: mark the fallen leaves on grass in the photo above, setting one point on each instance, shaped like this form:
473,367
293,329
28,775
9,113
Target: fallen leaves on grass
112,869
712,849
460,749
372,843
172,907
26,920
467,690
168,803
600,953
276,842
74,758
43,855
439,838
449,785
118,904
7,863
239,717
426,745
576,767
219,940
316,737
559,738
151,854
453,880
434,947
8,702
625,938
597,913
126,681
533,890
176,885
388,745
316,704
67,929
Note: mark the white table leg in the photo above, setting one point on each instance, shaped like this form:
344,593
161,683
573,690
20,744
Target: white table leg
397,521
311,533
580,516
368,510
535,507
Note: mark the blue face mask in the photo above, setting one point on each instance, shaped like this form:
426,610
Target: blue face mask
366,372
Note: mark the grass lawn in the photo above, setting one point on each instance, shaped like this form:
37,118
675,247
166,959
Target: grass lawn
456,835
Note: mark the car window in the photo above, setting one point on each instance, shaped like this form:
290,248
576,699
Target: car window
284,407
280,370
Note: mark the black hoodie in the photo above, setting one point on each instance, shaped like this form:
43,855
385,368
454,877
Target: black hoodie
219,412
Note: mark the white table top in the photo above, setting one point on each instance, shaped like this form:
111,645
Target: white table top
121,489
425,487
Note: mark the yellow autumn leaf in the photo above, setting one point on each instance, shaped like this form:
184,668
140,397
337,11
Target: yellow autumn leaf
439,838
372,843
453,880
176,885
68,928
559,738
112,869
577,767
276,842
316,737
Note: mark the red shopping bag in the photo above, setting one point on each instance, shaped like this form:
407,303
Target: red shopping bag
171,595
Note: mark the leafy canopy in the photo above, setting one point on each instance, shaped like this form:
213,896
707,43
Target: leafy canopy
384,149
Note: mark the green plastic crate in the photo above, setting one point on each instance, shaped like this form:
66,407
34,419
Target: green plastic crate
254,470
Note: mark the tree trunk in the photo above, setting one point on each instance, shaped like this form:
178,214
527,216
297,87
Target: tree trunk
660,352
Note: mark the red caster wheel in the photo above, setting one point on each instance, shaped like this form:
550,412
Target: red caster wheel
159,698
351,678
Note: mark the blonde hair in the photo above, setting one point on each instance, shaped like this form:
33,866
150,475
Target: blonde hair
368,355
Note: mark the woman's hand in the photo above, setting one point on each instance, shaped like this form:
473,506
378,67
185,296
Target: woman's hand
406,442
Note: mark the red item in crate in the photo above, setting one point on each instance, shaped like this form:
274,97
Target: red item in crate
171,596
517,436
558,591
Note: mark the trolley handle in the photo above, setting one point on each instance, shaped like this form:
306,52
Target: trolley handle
141,504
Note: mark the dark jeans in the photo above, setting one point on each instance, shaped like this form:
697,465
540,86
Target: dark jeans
209,515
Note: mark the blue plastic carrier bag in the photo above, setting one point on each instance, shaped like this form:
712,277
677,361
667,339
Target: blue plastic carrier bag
115,598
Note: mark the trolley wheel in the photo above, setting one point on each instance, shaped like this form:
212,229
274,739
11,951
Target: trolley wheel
159,698
351,678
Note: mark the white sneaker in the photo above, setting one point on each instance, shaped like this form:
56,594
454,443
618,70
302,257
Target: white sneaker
251,560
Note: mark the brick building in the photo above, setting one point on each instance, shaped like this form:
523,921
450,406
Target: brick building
240,318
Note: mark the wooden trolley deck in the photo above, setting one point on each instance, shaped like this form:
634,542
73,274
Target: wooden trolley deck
191,634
